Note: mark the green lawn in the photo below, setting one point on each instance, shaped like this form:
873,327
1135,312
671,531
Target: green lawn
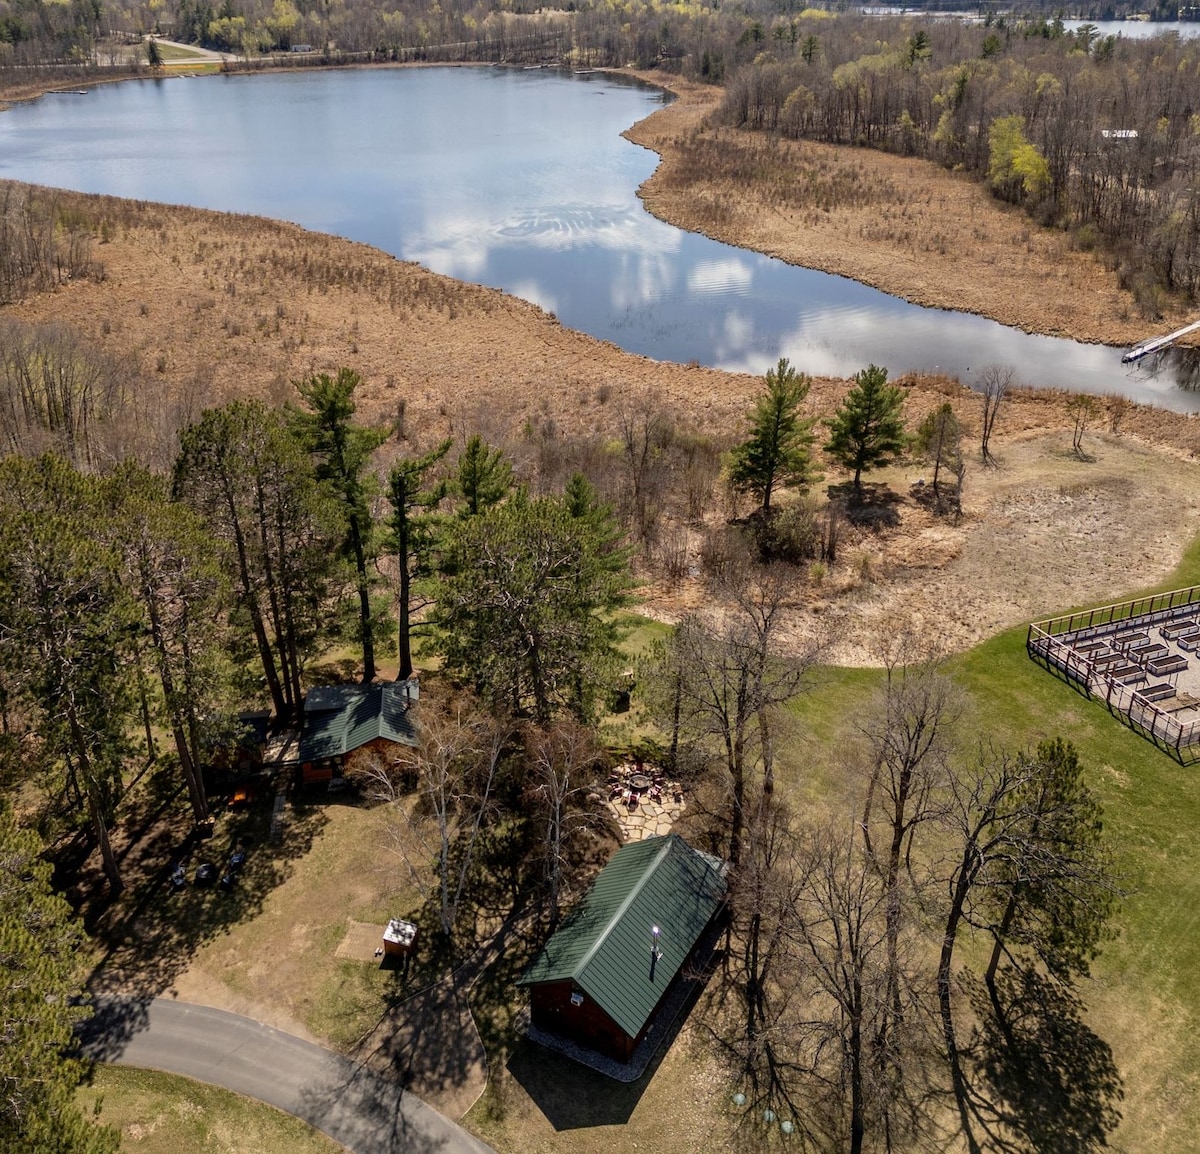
1144,996
175,54
164,1114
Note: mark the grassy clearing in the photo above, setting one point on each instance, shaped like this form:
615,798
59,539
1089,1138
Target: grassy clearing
1145,990
284,957
165,1114
178,54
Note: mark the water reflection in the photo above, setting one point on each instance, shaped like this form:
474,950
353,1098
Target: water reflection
519,180
1179,367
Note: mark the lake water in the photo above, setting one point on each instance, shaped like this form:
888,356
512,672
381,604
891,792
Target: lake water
519,180
1139,29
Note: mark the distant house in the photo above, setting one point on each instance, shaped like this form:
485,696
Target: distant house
600,979
341,720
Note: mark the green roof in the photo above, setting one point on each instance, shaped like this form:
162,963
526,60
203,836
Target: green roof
362,714
604,946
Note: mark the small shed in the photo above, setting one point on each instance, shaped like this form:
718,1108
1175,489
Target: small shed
399,939
602,976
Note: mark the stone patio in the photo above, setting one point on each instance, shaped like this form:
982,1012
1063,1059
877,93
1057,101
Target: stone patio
647,818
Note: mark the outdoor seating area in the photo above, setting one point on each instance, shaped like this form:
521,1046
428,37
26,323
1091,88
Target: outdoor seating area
645,802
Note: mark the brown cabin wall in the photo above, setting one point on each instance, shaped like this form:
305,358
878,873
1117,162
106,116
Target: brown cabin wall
550,1009
382,750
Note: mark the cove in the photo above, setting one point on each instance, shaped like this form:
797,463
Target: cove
519,179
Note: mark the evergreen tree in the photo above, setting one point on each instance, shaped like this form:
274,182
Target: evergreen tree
66,627
1053,897
485,476
171,569
868,430
525,614
342,450
248,476
40,986
778,450
412,532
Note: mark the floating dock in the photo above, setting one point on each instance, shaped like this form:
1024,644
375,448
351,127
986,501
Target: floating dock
1147,347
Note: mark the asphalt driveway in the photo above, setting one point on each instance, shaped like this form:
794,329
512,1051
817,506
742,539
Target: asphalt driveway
363,1110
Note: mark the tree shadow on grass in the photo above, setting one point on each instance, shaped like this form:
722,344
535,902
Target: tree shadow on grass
149,935
1047,1079
446,1014
874,507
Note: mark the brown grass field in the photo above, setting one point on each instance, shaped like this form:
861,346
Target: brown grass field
213,306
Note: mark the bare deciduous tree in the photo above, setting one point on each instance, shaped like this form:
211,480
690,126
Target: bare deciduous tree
995,381
1082,409
646,432
910,739
455,768
842,927
718,684
561,758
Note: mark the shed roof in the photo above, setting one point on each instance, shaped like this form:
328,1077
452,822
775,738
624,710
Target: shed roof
604,947
359,714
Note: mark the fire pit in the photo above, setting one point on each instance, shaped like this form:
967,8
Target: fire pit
639,781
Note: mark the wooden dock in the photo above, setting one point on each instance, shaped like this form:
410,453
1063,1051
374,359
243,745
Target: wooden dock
1152,346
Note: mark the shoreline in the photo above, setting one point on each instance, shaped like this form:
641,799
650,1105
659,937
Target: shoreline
926,236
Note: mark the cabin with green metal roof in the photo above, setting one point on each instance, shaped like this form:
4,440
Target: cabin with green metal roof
342,719
604,973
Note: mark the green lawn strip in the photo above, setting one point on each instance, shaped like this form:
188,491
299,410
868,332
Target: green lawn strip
350,1000
639,634
175,54
161,1113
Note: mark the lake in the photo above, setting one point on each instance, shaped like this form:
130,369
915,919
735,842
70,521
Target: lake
518,179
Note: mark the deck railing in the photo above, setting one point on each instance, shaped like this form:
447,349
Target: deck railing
1053,642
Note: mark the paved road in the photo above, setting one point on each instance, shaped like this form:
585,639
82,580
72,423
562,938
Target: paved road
367,1113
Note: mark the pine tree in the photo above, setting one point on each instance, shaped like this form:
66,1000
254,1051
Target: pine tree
40,986
485,476
525,613
66,630
342,451
412,531
246,473
171,569
778,450
868,430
